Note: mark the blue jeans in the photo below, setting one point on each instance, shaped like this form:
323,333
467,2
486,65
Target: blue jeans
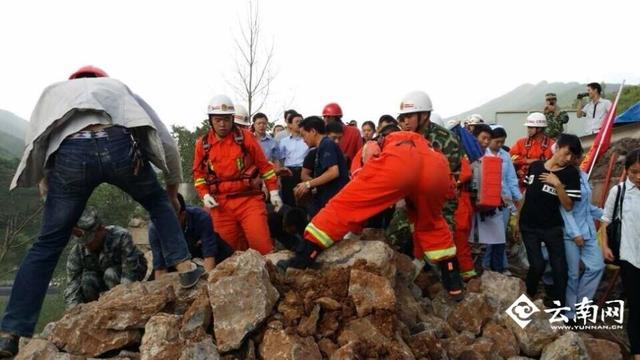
495,257
75,170
579,287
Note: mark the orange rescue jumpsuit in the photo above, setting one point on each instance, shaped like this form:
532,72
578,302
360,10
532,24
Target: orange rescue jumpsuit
406,168
239,216
528,148
463,216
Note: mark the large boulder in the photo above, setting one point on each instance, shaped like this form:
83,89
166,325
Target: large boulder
41,349
471,313
278,345
241,296
501,290
536,335
370,292
504,340
365,330
161,338
198,317
600,349
205,349
79,332
567,347
347,252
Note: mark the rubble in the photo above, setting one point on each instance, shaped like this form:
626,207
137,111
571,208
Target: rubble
362,301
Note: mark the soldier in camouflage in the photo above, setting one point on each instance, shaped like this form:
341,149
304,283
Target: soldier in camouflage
555,118
102,257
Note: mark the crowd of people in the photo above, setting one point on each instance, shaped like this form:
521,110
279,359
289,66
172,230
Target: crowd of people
437,189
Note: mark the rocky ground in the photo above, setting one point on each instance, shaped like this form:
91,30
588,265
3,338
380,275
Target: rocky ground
360,302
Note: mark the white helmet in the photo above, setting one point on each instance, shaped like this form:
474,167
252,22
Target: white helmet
536,119
241,116
436,119
415,101
475,119
220,105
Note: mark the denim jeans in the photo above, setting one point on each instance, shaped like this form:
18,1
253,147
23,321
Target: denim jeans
495,257
75,170
579,287
553,238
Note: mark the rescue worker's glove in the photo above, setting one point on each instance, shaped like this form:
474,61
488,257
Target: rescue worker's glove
276,201
306,253
451,279
209,201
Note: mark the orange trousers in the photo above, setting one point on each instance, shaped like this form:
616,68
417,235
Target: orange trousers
407,168
243,219
463,217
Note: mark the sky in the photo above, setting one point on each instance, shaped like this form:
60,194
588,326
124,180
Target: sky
365,55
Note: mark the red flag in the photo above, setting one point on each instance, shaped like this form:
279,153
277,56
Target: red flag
603,139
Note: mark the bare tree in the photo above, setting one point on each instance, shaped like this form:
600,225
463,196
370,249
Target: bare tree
253,75
14,237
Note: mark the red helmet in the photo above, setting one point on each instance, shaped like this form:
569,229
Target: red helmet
88,70
332,109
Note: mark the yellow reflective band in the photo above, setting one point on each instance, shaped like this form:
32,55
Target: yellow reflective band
514,157
320,235
269,174
436,255
240,163
200,181
468,274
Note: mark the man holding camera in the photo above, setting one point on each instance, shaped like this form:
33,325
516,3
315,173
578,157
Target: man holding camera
555,118
595,110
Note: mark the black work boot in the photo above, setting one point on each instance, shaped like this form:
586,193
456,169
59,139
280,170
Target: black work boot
190,278
451,279
8,345
306,254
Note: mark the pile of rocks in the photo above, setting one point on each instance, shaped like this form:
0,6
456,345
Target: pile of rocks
359,302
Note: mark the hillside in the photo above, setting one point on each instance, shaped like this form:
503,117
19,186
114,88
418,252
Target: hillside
529,97
12,132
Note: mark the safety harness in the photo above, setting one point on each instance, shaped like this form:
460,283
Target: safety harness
248,173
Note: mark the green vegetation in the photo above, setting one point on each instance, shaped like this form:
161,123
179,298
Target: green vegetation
629,97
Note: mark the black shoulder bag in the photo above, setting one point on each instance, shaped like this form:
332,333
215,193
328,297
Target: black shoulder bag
614,229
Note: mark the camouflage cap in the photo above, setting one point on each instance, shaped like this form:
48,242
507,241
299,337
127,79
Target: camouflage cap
550,96
89,219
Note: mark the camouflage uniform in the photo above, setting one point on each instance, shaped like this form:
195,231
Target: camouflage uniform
89,274
555,123
443,140
555,119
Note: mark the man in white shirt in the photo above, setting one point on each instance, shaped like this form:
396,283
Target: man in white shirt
595,110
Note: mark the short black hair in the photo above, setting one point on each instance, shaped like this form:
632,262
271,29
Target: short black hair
287,113
498,132
296,217
572,141
334,127
632,158
388,129
480,128
183,206
595,86
313,122
260,116
387,118
292,116
370,124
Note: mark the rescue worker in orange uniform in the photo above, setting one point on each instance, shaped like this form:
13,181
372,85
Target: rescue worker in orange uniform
535,146
229,168
383,181
415,115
